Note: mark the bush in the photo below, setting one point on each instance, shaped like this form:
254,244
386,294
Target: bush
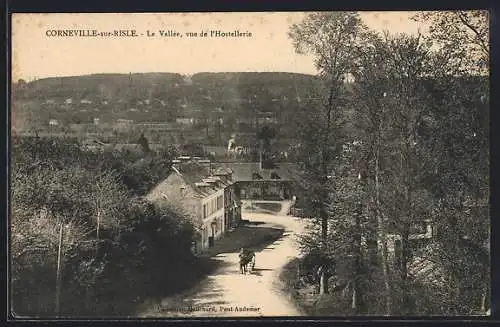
140,250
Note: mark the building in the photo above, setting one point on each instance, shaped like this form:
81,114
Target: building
205,194
252,181
156,126
53,122
232,208
123,124
184,120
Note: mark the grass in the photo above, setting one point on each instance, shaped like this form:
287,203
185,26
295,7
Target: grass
302,295
305,297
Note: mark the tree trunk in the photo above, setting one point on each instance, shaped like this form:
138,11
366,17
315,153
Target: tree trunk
97,232
483,298
354,302
356,287
382,230
323,285
324,197
405,232
405,253
58,273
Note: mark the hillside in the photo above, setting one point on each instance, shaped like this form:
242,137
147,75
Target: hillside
157,96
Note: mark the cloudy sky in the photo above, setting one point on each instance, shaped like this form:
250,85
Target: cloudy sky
36,55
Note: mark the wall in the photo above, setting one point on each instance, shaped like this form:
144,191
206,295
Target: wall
212,210
176,191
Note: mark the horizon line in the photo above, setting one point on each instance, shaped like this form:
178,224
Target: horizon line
33,79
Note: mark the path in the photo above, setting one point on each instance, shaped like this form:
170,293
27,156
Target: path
225,291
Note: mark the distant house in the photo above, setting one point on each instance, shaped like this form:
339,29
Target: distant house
159,126
205,195
85,101
124,123
68,101
53,122
267,120
50,101
242,121
96,121
185,120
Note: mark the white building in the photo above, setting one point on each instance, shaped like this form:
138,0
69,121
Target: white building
200,192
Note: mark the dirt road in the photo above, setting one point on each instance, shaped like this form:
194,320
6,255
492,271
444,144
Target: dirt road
227,293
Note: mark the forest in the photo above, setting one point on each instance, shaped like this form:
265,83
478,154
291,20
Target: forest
407,145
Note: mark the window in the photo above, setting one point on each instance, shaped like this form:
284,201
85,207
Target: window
205,211
418,228
219,202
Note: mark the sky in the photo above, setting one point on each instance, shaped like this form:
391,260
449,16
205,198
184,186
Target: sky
36,55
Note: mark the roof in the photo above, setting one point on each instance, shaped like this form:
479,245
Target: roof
198,177
243,171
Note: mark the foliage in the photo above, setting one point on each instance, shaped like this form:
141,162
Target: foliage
413,147
111,239
462,36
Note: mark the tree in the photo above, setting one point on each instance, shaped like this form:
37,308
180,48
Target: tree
457,178
331,38
459,172
463,37
66,204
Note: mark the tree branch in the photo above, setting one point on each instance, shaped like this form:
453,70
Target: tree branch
479,37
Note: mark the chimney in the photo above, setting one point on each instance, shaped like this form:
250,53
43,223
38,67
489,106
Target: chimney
222,175
212,182
207,164
202,186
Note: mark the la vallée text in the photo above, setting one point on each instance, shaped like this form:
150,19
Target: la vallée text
135,33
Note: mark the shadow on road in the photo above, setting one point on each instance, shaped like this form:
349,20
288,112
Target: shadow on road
252,236
254,223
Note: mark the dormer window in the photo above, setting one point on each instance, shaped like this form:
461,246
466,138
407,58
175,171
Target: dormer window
256,176
274,175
